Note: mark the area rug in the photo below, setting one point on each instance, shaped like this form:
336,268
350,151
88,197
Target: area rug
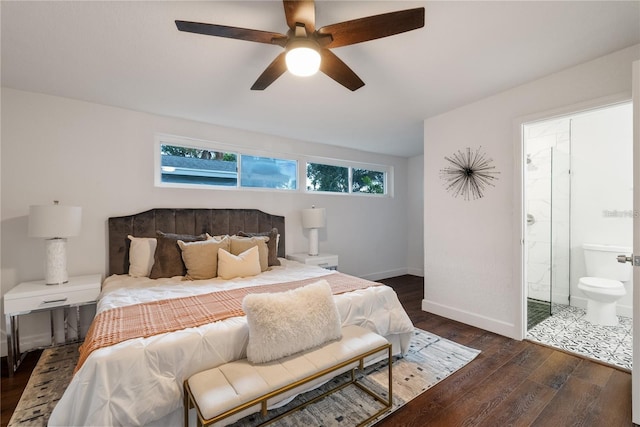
429,360
47,383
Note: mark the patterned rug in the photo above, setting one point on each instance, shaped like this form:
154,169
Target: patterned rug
430,359
48,381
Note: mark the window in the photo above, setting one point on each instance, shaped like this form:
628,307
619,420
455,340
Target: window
327,178
343,179
367,181
187,165
268,172
180,164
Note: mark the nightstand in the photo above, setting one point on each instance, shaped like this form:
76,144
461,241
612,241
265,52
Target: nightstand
32,297
328,261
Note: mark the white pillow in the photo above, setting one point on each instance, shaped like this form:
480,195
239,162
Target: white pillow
284,323
141,253
245,264
240,244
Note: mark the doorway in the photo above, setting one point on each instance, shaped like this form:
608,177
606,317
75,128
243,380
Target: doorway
578,171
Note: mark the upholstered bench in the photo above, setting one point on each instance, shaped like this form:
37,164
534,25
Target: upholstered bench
236,389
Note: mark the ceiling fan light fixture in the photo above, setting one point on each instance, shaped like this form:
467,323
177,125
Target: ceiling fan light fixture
307,49
303,58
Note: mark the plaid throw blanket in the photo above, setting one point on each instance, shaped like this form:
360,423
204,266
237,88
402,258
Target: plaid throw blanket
152,318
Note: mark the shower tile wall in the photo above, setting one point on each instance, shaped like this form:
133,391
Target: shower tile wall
547,149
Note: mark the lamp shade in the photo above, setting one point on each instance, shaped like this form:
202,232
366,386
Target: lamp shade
313,218
54,221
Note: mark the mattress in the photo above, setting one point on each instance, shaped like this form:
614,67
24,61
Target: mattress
139,381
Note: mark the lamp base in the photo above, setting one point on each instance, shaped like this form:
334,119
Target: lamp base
55,270
313,242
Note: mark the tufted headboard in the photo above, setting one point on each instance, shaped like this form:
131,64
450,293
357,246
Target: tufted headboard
185,221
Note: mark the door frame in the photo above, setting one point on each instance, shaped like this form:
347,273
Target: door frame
635,373
519,214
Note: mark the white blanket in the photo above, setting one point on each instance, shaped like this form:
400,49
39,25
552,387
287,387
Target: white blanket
139,381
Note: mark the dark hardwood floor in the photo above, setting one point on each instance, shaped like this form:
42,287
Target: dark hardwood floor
12,387
511,383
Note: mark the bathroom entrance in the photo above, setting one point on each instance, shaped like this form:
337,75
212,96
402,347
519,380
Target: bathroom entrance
578,175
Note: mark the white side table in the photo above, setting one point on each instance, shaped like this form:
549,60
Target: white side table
328,261
32,297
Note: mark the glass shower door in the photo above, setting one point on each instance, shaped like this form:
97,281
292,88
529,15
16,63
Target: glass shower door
560,223
547,203
538,231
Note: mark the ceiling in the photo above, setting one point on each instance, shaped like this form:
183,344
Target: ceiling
129,54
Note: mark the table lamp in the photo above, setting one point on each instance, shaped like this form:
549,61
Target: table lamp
313,219
55,223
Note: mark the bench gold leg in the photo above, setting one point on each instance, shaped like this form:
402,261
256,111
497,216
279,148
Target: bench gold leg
390,378
186,405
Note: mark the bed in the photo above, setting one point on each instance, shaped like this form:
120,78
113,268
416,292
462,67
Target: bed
138,381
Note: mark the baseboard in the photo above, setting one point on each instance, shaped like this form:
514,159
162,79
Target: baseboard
416,272
473,319
30,342
385,274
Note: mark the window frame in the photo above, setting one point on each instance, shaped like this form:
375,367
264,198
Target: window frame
350,165
163,139
301,161
158,166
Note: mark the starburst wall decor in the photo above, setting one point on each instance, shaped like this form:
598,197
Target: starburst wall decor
468,174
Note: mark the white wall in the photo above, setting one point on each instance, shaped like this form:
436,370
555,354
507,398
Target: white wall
415,212
101,158
601,189
472,248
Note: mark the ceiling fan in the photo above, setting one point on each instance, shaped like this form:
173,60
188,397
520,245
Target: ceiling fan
310,48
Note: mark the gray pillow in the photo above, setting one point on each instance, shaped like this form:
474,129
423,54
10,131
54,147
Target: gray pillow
168,257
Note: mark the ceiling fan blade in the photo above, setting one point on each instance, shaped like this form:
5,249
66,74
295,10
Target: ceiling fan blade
302,11
373,27
273,71
232,32
333,67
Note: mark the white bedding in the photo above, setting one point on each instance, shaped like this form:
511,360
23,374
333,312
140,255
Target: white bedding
139,381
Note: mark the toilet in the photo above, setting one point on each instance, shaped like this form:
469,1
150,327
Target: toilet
603,286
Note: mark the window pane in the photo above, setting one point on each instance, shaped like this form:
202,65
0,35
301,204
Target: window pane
327,178
367,181
267,172
197,166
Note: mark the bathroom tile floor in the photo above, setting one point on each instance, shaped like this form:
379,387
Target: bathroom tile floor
566,329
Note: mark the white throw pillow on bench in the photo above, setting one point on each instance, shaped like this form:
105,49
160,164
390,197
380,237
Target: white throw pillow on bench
285,323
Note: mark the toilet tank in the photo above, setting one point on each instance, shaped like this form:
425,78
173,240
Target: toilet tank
601,261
